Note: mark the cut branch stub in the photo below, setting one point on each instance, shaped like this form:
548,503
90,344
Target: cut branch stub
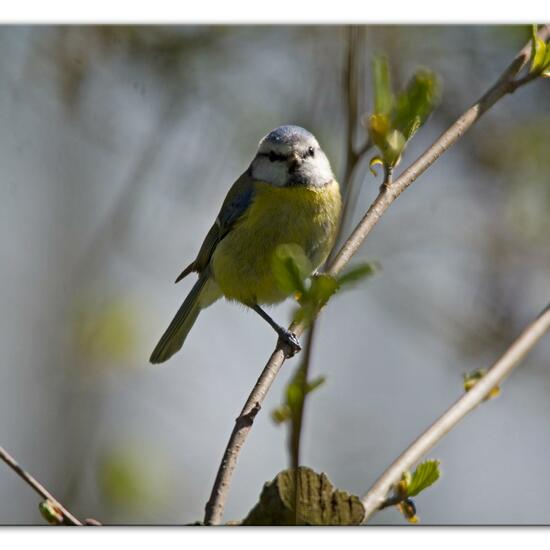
319,503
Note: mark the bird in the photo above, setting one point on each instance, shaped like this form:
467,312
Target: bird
287,195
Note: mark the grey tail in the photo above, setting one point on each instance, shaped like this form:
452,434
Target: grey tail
174,337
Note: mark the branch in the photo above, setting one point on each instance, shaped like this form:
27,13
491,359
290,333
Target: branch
375,499
504,85
352,77
386,196
38,487
295,437
351,94
354,42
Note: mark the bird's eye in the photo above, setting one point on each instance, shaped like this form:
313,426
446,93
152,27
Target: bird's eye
273,156
311,151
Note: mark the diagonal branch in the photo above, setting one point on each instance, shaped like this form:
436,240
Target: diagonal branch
504,85
375,498
38,487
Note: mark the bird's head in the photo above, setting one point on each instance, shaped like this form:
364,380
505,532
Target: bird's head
291,156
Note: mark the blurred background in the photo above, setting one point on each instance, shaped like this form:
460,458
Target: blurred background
118,145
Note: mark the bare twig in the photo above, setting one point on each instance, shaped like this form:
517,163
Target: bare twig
38,487
297,422
350,83
514,85
351,93
504,85
375,499
215,505
296,432
393,500
352,77
388,178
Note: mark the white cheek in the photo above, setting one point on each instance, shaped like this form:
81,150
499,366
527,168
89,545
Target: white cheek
318,170
274,173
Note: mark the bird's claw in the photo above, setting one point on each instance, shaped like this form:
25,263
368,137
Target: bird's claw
291,342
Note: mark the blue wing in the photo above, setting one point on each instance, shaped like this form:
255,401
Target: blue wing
236,203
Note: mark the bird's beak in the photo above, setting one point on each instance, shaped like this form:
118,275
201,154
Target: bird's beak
295,161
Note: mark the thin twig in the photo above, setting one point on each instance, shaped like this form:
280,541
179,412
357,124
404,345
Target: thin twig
216,503
394,500
503,86
514,85
38,487
350,81
297,422
351,94
350,84
375,498
296,432
388,178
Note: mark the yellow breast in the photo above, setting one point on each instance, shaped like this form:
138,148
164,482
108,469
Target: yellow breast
241,263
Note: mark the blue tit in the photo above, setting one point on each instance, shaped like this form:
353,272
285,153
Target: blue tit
288,194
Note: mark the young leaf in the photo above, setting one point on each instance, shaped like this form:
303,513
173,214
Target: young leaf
305,313
291,267
416,102
378,126
426,474
51,513
294,393
357,273
390,142
294,396
395,144
383,96
291,410
374,161
281,414
322,287
538,52
395,120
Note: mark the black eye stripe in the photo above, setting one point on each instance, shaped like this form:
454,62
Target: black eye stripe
274,156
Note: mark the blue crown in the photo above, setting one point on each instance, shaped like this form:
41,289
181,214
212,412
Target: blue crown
288,134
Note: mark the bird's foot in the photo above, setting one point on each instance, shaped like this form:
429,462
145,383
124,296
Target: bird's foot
290,342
